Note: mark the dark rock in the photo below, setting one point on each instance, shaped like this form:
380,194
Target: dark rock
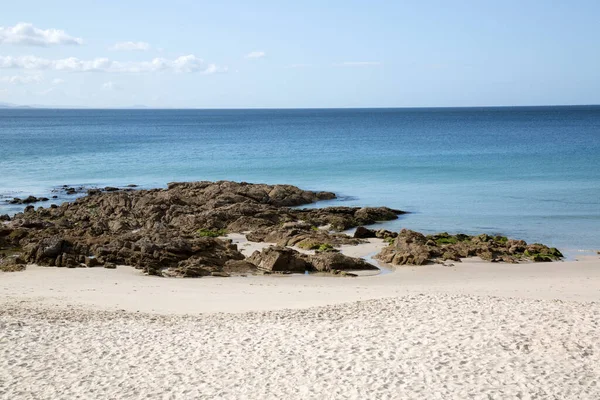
364,233
415,248
330,261
27,200
280,259
409,247
239,267
110,265
4,217
110,189
91,262
385,234
301,235
161,231
12,264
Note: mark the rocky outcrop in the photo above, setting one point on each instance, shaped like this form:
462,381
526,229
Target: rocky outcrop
300,234
175,231
364,233
280,259
11,263
27,200
414,248
333,261
342,218
286,260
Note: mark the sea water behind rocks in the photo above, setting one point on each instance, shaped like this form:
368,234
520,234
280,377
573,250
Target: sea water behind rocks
531,173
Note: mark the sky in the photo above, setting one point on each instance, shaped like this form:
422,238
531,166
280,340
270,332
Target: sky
299,54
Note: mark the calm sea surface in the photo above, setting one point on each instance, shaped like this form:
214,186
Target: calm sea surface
531,173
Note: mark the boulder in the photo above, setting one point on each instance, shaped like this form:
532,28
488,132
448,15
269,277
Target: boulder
332,261
409,247
12,264
91,262
279,259
364,233
236,267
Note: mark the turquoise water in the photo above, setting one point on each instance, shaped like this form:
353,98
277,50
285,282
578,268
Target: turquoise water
532,173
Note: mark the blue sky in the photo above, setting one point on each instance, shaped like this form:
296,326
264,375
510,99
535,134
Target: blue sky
232,54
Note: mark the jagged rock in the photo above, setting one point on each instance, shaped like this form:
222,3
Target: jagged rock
302,235
280,259
91,262
414,248
27,200
364,233
236,267
4,217
331,261
409,247
342,218
169,231
385,234
12,264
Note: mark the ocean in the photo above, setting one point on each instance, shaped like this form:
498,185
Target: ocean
526,172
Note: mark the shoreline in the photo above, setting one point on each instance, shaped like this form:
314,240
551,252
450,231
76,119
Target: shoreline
128,289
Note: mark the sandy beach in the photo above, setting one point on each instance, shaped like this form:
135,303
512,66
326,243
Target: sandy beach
471,330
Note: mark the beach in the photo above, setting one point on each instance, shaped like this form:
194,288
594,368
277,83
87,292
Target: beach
471,330
217,200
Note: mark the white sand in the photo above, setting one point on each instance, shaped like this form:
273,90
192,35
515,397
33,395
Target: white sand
474,330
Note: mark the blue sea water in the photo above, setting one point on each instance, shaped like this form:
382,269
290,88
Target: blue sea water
526,172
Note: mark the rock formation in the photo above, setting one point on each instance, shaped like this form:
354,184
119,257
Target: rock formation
414,248
175,231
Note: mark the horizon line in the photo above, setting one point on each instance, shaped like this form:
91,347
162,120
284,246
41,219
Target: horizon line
58,107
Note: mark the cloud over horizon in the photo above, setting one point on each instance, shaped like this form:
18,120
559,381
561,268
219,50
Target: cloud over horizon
183,64
358,63
256,54
28,35
130,46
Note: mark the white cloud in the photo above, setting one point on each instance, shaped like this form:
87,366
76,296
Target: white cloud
358,63
256,54
28,35
183,64
21,79
131,46
58,81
